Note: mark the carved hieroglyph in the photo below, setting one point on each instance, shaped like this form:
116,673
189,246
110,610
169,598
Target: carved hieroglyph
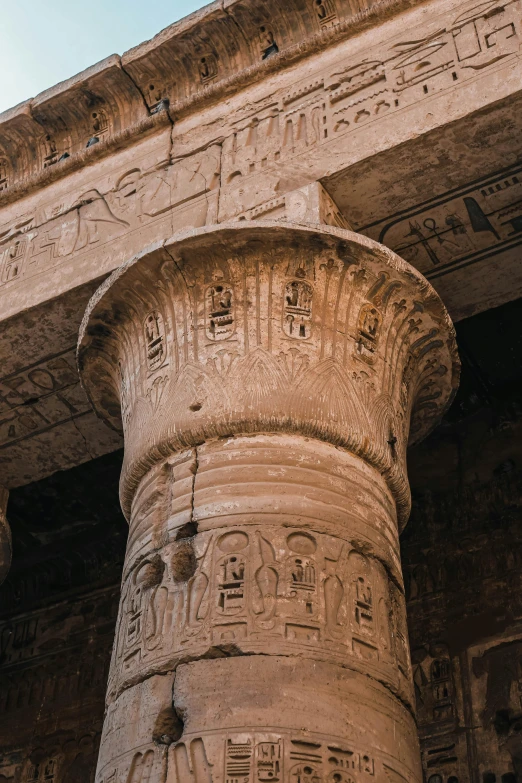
268,378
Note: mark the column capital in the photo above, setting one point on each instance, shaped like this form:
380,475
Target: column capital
268,327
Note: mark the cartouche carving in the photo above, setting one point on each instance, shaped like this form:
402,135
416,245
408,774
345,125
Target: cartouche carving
155,339
220,311
298,309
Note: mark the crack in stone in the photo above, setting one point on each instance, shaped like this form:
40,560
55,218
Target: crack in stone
82,435
129,76
232,650
193,494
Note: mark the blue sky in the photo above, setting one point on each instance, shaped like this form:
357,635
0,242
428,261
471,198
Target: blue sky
46,41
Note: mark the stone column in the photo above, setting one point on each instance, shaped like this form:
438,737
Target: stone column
267,377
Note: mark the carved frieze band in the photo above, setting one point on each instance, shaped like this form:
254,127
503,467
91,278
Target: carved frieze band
122,97
109,102
85,222
300,593
457,229
445,52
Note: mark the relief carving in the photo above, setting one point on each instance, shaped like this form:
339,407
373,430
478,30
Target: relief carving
298,309
55,392
219,311
88,221
255,757
456,230
197,591
141,767
13,258
231,584
267,579
207,67
369,325
154,329
93,212
92,218
45,771
249,585
188,763
484,34
326,11
4,174
328,104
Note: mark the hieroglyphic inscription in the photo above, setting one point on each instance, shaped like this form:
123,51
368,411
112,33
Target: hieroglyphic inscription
219,311
434,690
40,397
308,591
314,113
86,221
44,772
267,757
262,137
298,309
154,329
459,229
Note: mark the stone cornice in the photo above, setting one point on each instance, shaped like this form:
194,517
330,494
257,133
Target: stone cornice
193,63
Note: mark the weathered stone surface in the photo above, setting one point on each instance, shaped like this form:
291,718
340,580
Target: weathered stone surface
264,376
52,679
312,334
222,48
352,728
285,130
267,379
58,608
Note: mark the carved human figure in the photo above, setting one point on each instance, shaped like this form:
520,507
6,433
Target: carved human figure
93,211
269,482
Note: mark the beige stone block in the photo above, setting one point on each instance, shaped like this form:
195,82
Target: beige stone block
294,721
137,730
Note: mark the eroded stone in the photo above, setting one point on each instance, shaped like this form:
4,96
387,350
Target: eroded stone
267,375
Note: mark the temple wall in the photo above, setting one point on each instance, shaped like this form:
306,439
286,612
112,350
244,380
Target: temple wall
52,688
465,629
